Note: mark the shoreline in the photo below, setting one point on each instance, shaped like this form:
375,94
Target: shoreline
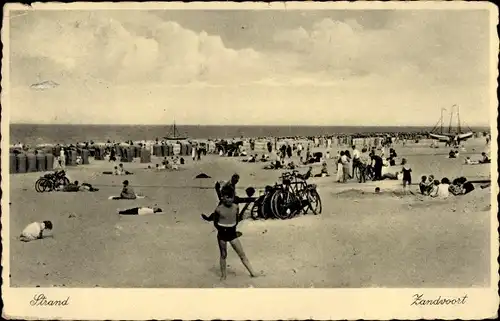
39,134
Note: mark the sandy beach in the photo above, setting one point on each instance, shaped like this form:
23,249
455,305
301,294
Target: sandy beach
360,240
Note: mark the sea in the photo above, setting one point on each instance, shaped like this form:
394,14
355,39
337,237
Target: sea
33,134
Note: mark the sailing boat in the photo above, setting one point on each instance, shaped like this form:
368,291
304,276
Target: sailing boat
450,137
175,135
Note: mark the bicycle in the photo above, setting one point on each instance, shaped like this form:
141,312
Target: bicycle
295,195
51,181
369,173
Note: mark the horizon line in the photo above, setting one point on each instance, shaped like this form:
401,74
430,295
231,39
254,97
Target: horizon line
239,125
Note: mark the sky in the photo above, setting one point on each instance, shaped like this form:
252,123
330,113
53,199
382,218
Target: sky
249,67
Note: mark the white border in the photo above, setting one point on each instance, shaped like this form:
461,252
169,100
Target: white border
142,304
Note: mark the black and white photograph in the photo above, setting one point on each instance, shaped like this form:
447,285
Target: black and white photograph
254,148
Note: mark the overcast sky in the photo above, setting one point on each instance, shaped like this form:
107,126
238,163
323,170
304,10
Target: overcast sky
335,67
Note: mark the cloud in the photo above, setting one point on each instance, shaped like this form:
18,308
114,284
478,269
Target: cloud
327,72
411,46
118,50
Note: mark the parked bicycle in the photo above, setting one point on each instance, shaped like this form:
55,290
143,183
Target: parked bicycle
369,172
287,198
51,181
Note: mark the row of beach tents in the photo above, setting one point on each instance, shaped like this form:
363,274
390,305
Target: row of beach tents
42,158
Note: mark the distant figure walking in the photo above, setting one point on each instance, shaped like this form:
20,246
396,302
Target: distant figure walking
62,158
193,153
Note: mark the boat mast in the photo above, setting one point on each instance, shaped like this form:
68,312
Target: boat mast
458,120
441,119
451,118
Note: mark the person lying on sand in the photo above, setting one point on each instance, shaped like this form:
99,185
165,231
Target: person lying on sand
226,218
274,165
159,167
121,170
34,231
147,210
75,187
468,161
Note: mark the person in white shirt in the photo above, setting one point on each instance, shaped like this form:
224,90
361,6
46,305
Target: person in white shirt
35,230
442,189
299,149
62,158
355,158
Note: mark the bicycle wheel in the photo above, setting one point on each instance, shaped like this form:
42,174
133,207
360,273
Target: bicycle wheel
256,208
283,204
48,186
369,174
266,210
357,173
314,201
38,185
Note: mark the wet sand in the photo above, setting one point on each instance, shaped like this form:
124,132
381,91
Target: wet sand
360,240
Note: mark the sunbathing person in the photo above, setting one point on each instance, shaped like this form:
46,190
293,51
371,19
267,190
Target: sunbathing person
290,165
121,170
391,176
127,193
274,165
485,159
443,189
34,231
434,190
468,161
423,186
324,171
76,187
145,210
461,186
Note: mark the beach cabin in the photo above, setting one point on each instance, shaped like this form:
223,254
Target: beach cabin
157,150
31,162
41,161
145,156
12,163
85,156
49,161
21,163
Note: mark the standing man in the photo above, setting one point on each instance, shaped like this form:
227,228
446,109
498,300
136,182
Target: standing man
377,164
355,159
232,184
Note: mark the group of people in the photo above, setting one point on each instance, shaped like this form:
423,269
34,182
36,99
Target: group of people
173,164
429,186
484,160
